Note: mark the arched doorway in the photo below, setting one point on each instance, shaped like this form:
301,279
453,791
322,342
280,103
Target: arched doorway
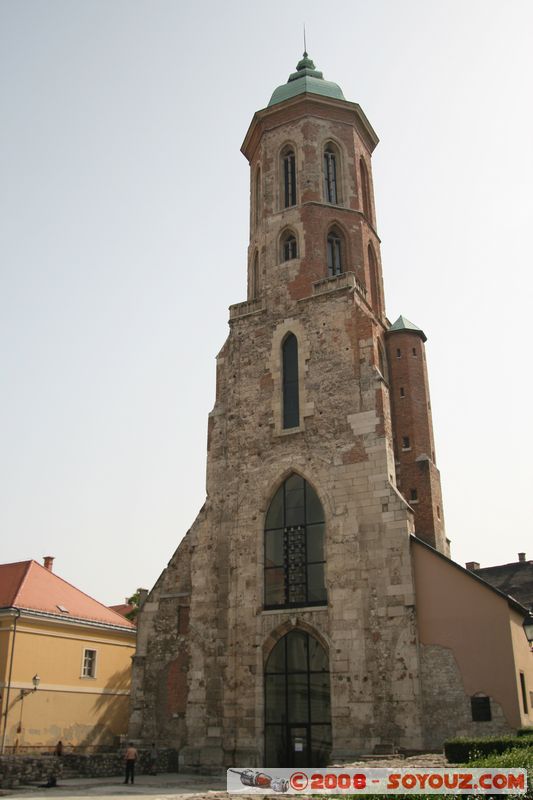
297,703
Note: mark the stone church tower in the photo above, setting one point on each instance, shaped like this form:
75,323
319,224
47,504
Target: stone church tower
283,630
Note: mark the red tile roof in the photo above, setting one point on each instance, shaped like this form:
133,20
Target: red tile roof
123,609
28,585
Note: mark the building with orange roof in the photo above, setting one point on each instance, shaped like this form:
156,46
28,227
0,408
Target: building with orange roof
65,662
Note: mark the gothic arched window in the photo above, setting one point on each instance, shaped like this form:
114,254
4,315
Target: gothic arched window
289,246
291,399
335,252
331,191
289,177
297,703
365,190
294,547
374,279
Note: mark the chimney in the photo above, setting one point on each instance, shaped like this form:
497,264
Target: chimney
472,565
522,557
143,594
48,563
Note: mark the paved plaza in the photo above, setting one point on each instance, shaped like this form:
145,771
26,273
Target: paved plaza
184,786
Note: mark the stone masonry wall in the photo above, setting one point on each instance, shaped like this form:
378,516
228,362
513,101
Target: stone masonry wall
342,447
447,711
19,770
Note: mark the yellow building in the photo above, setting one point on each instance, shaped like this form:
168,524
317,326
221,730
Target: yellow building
65,662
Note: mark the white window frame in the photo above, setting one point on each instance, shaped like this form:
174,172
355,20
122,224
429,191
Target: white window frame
94,662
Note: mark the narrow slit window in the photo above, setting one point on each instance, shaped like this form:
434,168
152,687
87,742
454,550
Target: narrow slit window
524,692
257,197
330,176
406,443
398,353
374,279
289,179
291,402
402,391
413,494
255,277
365,190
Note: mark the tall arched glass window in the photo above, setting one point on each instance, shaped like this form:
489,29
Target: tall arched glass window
289,177
365,190
297,703
289,246
334,252
330,175
291,399
294,547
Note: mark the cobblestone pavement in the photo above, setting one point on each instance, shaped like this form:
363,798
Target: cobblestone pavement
181,786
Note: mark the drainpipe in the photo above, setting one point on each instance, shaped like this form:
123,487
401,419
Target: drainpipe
8,690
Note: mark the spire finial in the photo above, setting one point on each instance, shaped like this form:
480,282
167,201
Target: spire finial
305,44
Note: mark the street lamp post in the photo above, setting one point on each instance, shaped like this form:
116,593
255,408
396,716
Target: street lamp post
36,681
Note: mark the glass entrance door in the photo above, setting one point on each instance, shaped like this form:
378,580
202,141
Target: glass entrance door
297,703
298,746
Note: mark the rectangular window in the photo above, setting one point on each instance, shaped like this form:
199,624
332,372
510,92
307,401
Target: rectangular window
406,444
402,391
414,495
414,351
89,664
480,705
524,692
398,353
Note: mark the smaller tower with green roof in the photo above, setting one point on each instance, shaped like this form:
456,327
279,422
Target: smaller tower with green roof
414,447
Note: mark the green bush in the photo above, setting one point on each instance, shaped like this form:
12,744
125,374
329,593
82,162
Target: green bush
518,757
461,751
525,732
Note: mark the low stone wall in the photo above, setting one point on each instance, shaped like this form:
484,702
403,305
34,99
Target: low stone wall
16,770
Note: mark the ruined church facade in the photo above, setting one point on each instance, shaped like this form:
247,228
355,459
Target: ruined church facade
284,629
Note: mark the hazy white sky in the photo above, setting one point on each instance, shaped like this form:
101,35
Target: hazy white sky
123,233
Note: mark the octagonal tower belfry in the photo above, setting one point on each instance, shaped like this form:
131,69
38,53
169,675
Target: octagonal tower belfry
283,631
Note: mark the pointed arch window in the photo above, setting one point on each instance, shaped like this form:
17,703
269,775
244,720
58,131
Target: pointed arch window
335,254
289,246
291,399
289,177
294,547
375,297
365,190
297,703
331,167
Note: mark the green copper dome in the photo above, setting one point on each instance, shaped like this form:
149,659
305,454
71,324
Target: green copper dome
306,79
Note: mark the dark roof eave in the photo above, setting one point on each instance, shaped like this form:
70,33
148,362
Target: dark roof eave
510,600
372,137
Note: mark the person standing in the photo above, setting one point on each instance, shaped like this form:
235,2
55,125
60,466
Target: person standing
130,758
